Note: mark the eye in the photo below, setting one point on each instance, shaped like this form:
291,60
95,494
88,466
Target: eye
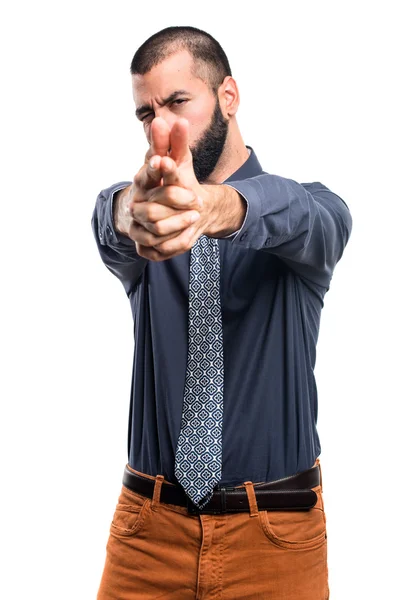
179,101
146,117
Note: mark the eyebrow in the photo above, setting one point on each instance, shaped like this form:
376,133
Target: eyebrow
147,108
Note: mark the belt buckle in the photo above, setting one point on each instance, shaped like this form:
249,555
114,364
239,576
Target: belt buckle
195,510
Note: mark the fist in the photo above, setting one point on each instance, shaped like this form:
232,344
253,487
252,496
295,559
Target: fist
160,213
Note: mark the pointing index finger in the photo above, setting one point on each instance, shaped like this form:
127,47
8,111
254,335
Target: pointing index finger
179,137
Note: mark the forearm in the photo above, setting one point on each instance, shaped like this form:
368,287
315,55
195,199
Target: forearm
120,217
306,225
230,211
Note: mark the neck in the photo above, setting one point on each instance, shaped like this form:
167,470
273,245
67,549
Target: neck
234,155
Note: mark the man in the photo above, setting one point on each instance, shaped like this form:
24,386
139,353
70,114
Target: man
226,267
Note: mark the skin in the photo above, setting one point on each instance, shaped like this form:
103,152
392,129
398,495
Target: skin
166,209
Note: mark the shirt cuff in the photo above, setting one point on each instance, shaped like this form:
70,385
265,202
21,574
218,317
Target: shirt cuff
225,237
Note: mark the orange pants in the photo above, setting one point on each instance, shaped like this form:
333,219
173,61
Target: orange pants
159,551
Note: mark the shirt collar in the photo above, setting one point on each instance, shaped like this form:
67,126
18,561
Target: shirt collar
250,168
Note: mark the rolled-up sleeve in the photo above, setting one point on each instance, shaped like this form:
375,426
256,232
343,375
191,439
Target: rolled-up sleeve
306,225
117,251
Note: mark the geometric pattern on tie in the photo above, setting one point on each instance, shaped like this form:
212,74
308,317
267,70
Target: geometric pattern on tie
198,458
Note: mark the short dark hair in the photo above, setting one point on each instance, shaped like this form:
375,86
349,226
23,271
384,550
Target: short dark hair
210,61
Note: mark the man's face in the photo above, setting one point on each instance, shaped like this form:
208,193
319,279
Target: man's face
170,91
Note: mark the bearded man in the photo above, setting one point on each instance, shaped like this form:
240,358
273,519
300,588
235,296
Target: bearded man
225,267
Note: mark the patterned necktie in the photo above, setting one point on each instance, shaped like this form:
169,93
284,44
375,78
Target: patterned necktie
198,460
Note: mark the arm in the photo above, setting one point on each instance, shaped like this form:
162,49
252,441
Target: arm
306,225
117,251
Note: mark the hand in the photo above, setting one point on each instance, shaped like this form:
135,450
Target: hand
144,179
163,214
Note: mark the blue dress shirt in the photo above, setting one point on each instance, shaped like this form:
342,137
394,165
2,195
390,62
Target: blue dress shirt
275,272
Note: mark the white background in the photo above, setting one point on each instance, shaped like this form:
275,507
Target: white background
318,103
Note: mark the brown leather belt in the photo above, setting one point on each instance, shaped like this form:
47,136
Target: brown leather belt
289,493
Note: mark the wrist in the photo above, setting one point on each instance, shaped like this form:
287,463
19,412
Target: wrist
119,210
227,211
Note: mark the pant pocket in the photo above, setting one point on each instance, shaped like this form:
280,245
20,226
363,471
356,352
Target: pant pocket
297,529
130,513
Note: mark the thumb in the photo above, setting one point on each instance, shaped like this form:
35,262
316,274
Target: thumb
169,171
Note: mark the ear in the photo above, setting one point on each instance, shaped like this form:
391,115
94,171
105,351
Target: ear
229,98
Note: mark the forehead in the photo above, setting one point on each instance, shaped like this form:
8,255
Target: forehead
173,73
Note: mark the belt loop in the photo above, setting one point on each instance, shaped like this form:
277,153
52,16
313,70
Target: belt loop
251,497
223,499
320,475
155,502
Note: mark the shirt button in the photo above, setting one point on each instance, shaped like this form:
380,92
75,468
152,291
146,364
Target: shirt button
243,236
268,242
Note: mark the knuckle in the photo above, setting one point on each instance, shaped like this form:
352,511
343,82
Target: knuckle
162,249
185,246
133,233
155,254
188,218
136,197
152,212
158,228
137,179
170,193
188,198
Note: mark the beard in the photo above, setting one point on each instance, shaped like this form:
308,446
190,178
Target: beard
208,149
